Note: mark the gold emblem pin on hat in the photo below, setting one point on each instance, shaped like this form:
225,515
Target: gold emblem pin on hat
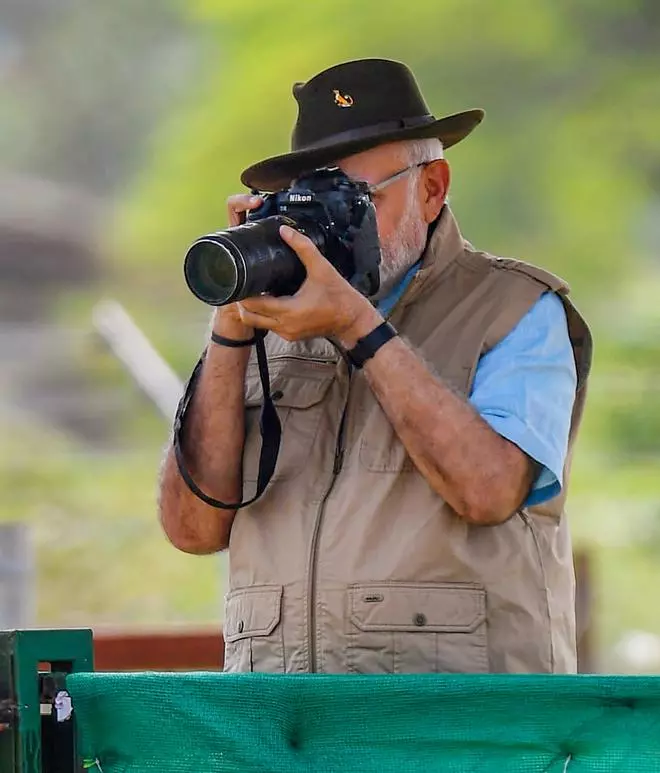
343,100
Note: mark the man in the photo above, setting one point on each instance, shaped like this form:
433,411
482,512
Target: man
415,520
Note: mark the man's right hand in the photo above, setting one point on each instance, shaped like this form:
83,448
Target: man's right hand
226,320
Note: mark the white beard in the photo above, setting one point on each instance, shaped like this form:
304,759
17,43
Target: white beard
405,247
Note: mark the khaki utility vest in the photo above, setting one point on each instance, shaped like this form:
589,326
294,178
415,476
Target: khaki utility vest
350,562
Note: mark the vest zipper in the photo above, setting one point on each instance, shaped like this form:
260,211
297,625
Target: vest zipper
311,573
339,446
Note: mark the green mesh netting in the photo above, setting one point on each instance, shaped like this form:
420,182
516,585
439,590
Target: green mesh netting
203,723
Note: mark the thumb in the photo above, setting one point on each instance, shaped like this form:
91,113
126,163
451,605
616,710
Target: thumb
304,248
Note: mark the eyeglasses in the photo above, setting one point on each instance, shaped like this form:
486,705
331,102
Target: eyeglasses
377,187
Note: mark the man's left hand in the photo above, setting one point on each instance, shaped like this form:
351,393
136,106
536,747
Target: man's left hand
326,305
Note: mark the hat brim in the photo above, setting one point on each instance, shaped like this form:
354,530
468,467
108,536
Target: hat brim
277,172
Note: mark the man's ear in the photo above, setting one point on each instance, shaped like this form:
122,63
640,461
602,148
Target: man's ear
435,185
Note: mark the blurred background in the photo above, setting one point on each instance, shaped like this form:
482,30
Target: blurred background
124,125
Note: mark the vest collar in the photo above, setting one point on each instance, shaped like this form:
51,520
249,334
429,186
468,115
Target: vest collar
443,247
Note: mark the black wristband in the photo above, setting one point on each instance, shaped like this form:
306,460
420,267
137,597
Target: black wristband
232,342
366,347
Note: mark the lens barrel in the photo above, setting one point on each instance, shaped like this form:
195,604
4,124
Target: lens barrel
213,273
246,261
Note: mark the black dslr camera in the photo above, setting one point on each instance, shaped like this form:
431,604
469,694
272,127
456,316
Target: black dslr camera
335,212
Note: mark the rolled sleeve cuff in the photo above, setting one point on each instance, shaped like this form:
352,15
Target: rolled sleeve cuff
549,481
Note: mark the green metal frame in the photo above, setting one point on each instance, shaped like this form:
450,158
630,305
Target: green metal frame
25,687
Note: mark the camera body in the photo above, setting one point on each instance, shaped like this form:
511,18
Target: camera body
342,209
335,212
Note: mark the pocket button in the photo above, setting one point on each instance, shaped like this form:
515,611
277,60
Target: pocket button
419,619
241,626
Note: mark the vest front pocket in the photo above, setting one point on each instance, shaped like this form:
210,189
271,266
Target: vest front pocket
298,387
411,628
252,630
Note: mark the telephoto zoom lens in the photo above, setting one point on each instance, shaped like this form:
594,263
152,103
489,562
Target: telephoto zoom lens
246,261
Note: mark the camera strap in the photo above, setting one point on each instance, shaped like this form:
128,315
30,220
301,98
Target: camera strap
269,427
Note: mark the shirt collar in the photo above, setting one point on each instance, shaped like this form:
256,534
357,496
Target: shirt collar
385,305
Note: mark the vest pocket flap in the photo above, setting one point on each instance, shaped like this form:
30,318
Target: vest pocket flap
422,607
293,384
252,611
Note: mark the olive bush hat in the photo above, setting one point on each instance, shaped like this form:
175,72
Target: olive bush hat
352,107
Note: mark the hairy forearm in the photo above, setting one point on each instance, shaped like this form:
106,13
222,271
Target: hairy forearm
482,476
212,443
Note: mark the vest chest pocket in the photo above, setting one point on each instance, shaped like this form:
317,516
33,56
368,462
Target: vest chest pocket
380,447
298,387
252,631
408,628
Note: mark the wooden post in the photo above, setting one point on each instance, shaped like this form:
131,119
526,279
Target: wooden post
16,577
584,609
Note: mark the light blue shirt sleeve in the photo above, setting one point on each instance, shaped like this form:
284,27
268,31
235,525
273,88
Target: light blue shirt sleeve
524,387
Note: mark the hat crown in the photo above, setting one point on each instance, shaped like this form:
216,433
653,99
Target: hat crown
351,108
354,96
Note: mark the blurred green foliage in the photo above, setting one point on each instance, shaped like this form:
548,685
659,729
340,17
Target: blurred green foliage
564,172
560,171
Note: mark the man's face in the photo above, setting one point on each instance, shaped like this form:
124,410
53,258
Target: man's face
402,227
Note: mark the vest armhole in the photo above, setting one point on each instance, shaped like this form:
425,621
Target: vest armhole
518,304
581,340
524,285
509,316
